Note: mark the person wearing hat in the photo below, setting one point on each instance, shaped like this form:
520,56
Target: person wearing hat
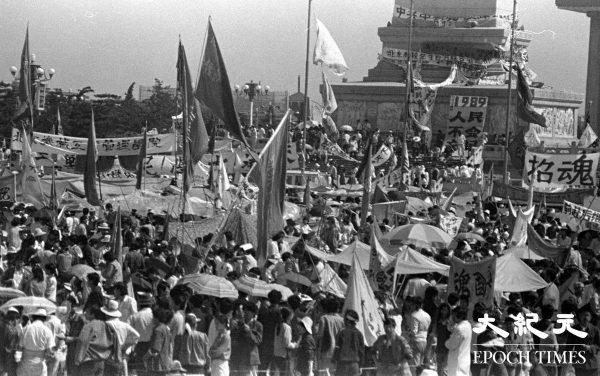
194,354
306,348
10,338
590,343
349,346
126,335
37,345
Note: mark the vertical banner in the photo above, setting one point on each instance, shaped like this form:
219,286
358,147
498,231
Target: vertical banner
467,116
473,281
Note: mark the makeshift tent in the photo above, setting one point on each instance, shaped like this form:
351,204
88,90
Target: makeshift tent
409,261
513,275
363,251
524,253
242,227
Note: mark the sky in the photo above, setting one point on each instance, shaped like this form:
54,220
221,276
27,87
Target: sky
107,44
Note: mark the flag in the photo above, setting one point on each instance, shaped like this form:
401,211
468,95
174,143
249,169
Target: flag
534,175
378,278
117,238
587,137
516,149
25,104
184,87
446,205
558,254
379,195
89,173
532,138
405,161
525,109
366,198
307,196
141,160
237,168
213,89
31,188
329,102
53,195
272,164
382,155
222,182
366,160
327,51
360,298
330,281
519,233
57,129
330,128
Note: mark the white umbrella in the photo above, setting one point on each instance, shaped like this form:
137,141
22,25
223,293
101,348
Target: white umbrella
420,235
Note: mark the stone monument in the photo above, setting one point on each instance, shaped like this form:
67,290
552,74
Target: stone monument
475,35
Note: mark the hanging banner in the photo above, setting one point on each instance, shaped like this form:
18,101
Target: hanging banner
519,194
581,212
58,144
399,55
381,156
473,281
450,223
467,116
404,13
560,171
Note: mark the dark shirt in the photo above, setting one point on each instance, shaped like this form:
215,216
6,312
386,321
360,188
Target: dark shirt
244,344
306,353
592,340
349,346
134,261
270,318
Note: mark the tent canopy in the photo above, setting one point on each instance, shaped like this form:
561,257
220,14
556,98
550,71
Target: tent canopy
409,261
524,253
513,275
363,251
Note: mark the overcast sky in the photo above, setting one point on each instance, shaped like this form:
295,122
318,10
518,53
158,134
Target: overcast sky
109,44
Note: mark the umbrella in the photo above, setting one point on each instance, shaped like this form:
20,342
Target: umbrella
30,303
346,128
258,288
10,293
294,277
420,235
82,270
208,284
469,236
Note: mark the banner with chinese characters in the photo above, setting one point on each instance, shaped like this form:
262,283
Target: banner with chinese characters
581,212
560,171
467,116
404,13
450,223
47,143
399,55
473,281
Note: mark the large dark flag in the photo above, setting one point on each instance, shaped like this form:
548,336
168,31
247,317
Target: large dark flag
141,159
525,109
272,164
25,95
89,173
117,238
367,176
517,148
184,87
366,160
213,89
53,194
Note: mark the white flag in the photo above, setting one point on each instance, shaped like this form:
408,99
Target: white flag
587,137
360,297
327,51
383,154
329,102
519,235
531,137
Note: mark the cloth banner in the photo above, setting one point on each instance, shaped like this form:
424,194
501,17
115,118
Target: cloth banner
559,255
587,137
470,66
476,157
467,115
329,102
581,212
520,194
58,144
560,171
334,149
450,223
422,99
382,156
404,13
327,51
474,281
519,235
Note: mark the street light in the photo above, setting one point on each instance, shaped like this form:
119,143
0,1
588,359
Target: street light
39,78
252,90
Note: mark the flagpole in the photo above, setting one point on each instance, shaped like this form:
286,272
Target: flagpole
408,83
185,144
509,93
306,104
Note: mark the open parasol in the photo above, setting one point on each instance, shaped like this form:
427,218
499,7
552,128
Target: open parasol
420,235
29,303
469,236
208,284
346,128
258,288
294,277
82,270
10,293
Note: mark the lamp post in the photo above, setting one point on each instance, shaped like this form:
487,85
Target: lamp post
252,90
39,78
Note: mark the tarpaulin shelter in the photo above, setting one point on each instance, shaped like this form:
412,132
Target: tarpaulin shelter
409,261
513,275
363,252
242,227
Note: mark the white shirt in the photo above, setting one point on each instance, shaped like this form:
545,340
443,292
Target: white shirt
459,344
37,337
273,250
142,322
127,307
551,296
126,334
